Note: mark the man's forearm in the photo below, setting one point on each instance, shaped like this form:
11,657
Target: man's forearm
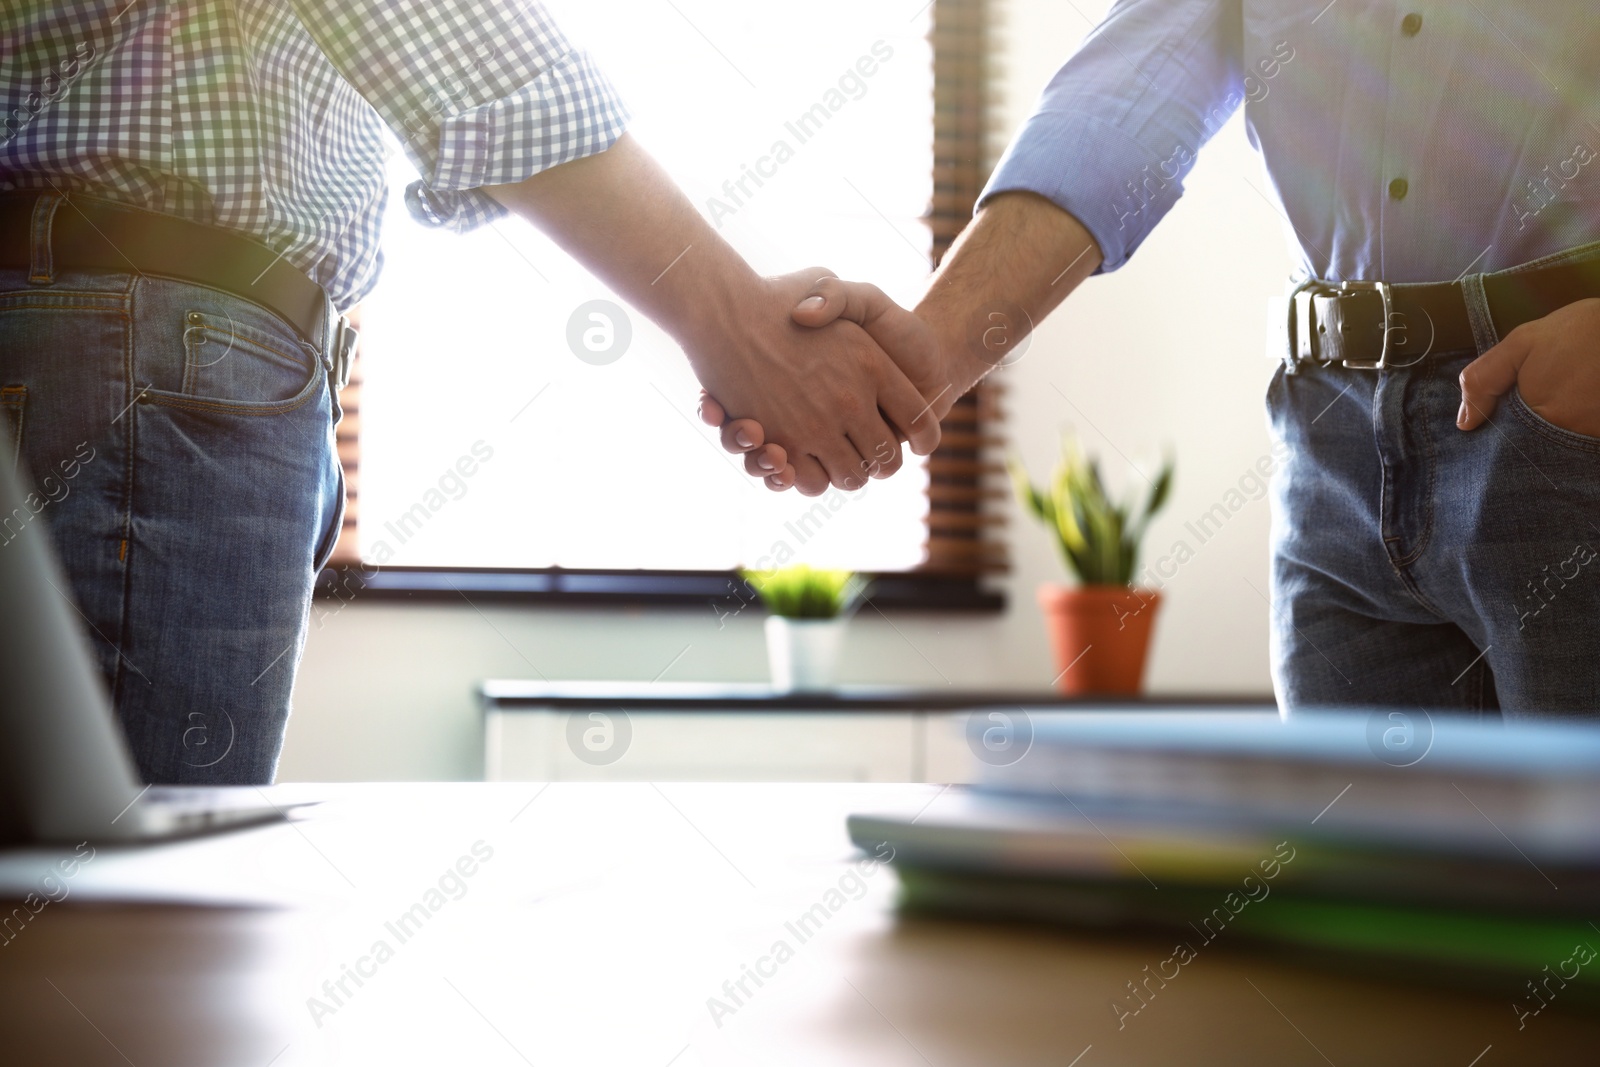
622,217
1020,252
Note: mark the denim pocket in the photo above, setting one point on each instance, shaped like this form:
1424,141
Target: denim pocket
233,367
1543,426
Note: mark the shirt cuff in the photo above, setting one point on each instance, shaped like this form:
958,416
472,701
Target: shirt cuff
1115,186
568,112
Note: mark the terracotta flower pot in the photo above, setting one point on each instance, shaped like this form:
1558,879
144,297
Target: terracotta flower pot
1100,634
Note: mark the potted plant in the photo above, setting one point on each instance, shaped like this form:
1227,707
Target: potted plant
1100,630
808,612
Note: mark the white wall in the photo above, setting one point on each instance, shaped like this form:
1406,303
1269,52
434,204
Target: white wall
1167,351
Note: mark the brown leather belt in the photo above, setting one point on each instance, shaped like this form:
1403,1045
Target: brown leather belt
93,234
1378,326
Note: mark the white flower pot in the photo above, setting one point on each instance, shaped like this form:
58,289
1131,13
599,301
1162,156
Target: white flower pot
802,652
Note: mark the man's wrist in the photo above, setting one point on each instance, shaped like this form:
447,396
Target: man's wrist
709,305
1019,258
962,365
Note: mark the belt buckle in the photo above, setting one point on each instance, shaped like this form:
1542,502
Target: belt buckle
1386,295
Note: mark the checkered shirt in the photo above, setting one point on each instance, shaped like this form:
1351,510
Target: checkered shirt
267,116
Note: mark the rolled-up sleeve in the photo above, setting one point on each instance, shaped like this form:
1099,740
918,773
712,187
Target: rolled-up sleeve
1118,128
479,92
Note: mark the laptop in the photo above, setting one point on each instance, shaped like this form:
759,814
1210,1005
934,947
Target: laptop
65,771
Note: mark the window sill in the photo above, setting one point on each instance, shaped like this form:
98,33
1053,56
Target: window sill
626,588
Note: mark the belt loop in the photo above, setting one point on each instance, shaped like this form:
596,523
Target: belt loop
338,346
1484,334
344,353
41,264
1297,335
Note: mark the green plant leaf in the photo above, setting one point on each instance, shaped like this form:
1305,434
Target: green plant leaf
1034,500
802,592
1099,540
1065,501
1159,491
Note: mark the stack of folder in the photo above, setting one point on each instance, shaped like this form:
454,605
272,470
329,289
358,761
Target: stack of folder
1458,852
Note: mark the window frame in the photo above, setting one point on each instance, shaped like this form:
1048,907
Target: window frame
725,592
961,535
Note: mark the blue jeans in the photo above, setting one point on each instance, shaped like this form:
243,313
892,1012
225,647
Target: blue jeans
180,441
1414,565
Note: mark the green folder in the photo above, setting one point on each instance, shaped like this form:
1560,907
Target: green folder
1529,958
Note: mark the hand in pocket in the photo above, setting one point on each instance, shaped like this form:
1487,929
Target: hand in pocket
1553,362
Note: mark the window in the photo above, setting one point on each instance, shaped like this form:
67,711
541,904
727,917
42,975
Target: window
805,135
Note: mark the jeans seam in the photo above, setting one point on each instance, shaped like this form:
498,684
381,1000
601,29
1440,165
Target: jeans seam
316,381
1403,573
330,538
1484,675
1548,430
188,385
129,445
14,402
187,404
1431,455
1387,490
244,343
246,339
25,306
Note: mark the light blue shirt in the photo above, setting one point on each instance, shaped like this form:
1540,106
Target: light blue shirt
1406,142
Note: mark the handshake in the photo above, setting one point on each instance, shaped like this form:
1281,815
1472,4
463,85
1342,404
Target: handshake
828,396
814,380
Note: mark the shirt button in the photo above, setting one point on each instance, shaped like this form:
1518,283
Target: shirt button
1398,189
1411,25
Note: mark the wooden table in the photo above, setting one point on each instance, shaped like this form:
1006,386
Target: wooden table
594,924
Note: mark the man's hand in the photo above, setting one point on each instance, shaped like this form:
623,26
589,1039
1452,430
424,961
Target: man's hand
762,459
1554,362
908,339
839,402
1019,259
931,363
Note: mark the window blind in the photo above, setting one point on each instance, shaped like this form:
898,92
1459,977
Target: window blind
966,491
